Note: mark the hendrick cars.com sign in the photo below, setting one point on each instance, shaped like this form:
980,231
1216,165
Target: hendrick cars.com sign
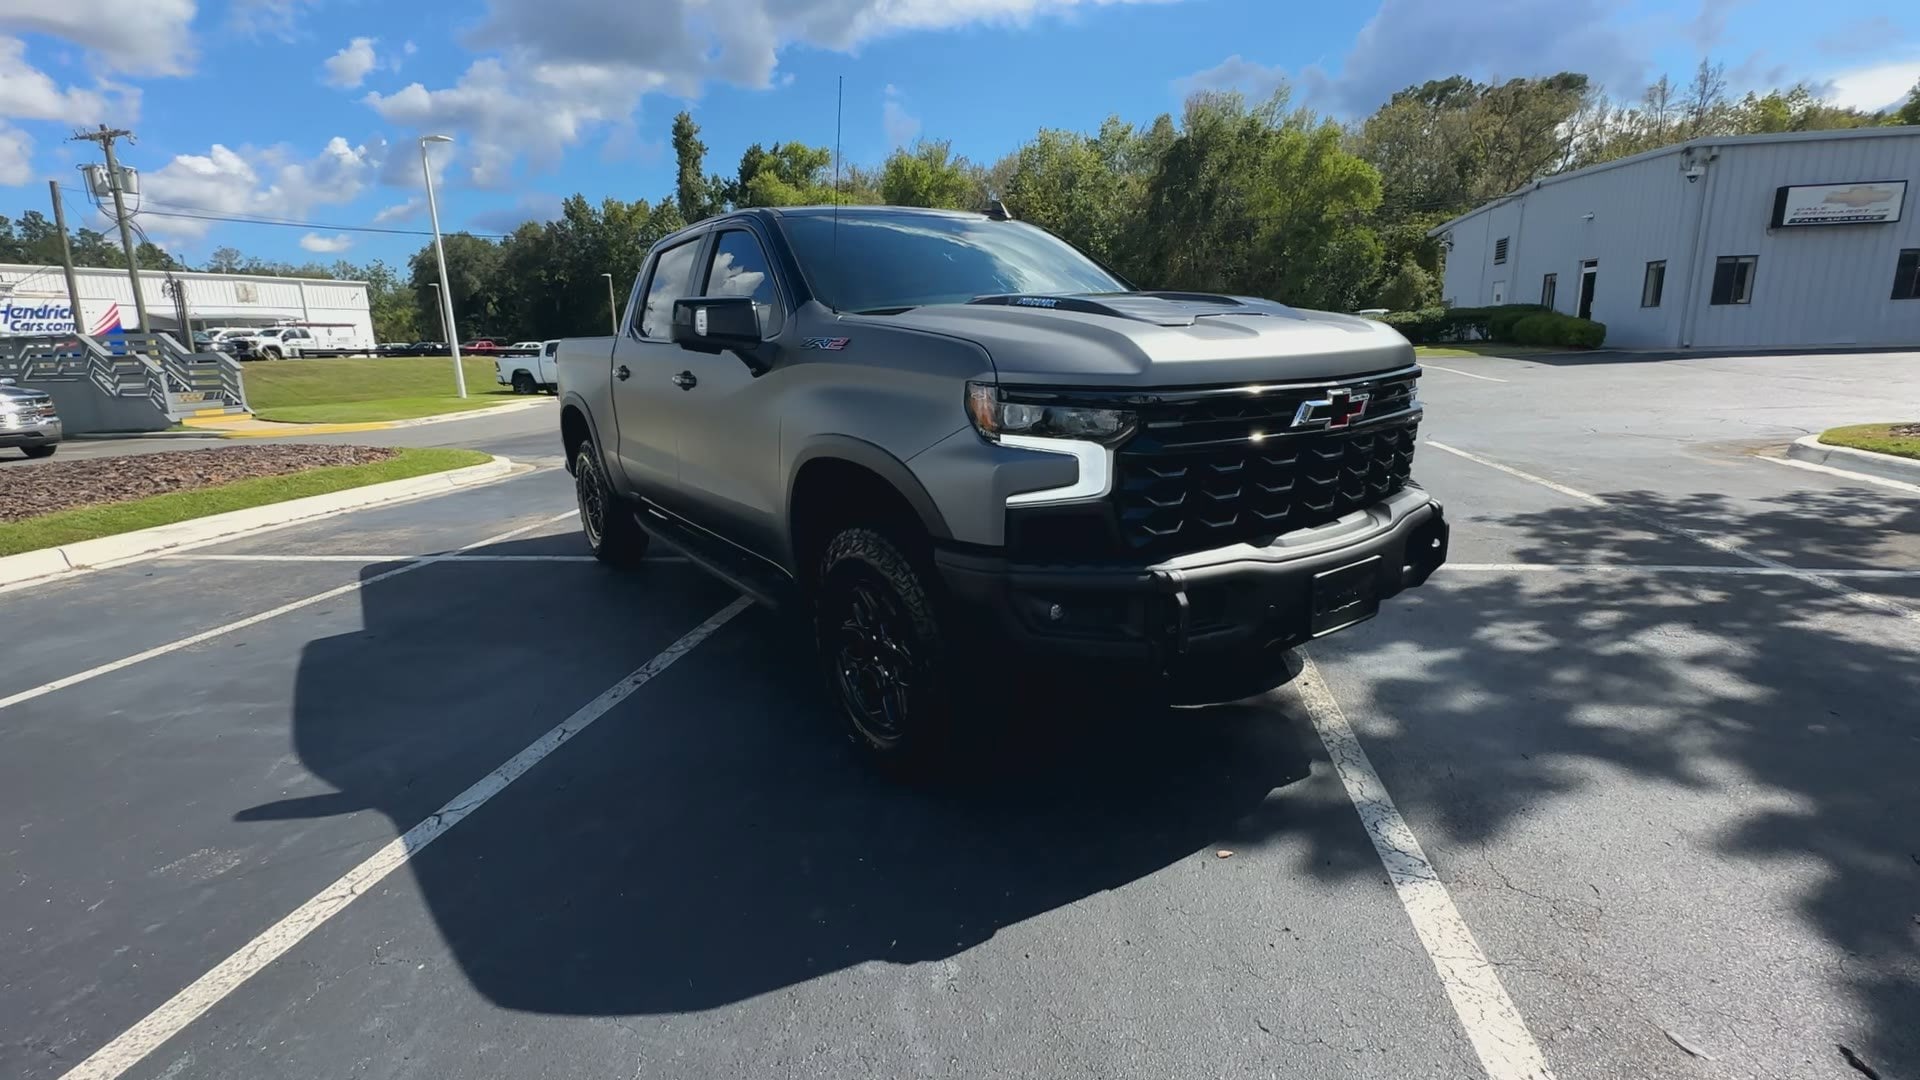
1867,203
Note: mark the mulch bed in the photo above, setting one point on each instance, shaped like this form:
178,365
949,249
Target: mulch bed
29,491
1905,431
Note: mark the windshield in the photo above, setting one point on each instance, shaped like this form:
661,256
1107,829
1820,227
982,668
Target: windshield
884,262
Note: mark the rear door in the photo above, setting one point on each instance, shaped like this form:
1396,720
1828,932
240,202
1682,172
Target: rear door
549,368
645,359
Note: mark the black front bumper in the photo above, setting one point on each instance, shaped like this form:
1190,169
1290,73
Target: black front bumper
1217,606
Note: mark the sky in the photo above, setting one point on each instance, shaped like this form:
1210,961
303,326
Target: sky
310,111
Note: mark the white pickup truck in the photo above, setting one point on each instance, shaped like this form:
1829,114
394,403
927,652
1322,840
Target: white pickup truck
529,374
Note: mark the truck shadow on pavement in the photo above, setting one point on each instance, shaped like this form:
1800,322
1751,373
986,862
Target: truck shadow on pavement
1780,723
714,838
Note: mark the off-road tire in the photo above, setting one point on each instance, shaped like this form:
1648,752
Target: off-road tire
918,735
39,451
608,522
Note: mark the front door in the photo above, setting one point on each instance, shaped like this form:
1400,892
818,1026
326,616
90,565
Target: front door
645,360
1589,275
730,471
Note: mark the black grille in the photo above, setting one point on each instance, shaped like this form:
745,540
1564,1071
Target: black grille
1221,466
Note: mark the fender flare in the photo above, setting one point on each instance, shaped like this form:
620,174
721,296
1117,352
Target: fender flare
573,399
879,461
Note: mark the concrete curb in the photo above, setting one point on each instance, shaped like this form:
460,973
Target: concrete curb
279,430
111,550
1847,459
117,436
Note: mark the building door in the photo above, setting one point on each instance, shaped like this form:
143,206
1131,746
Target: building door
1499,293
1589,274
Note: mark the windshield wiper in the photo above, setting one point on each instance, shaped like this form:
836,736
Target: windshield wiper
886,310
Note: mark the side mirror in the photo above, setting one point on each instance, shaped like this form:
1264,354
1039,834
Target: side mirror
712,324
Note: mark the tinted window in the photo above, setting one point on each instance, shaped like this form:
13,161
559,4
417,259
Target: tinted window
671,274
1906,275
1654,284
1549,288
1733,279
887,261
740,269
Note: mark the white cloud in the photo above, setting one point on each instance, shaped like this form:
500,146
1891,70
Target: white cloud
566,67
1257,81
504,219
1408,42
1865,36
16,155
326,245
269,182
901,126
1881,86
409,48
403,211
143,37
27,93
349,67
275,17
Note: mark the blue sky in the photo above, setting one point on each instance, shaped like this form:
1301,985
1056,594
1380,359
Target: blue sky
308,110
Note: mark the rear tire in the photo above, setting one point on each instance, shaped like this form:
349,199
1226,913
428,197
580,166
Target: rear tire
613,534
883,653
523,383
39,451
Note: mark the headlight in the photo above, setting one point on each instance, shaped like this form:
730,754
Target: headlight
993,417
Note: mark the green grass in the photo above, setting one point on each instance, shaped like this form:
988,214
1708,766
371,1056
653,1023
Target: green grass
1878,438
1465,349
359,391
91,522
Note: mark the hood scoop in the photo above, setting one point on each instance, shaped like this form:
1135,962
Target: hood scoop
1158,308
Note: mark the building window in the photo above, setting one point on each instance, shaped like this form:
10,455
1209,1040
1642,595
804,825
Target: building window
1906,277
1549,285
1655,284
1499,251
1733,279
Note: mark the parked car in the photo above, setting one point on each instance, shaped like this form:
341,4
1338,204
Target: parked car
392,348
529,373
525,348
480,345
965,488
29,421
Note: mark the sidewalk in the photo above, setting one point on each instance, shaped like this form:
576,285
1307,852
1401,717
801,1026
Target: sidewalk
247,427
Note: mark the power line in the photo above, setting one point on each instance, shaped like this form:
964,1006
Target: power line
207,213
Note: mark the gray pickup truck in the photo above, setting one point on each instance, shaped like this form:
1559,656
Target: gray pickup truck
953,439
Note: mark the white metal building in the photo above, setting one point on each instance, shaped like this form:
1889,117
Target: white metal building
33,300
1794,239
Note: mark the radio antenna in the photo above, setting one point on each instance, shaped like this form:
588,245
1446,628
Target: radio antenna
839,104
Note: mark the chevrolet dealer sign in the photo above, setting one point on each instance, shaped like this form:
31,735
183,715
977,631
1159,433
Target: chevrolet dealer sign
1866,203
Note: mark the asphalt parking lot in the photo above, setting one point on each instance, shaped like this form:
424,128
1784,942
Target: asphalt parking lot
424,791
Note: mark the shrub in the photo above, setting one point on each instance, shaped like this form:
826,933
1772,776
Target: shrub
1551,329
1419,327
1501,320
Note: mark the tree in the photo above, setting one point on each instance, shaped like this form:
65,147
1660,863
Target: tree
1250,200
788,174
473,271
927,175
1091,191
1908,113
697,195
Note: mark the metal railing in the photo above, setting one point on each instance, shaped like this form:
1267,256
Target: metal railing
151,366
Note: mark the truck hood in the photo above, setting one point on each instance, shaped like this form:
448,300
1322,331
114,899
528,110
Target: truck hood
1161,339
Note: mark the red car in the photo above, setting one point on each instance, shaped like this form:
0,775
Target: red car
481,345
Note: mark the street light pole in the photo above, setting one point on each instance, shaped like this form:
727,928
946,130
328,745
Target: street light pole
440,256
435,286
613,306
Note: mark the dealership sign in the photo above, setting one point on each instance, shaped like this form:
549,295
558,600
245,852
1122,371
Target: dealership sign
1868,203
51,315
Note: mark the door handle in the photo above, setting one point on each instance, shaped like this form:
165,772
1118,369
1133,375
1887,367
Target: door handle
622,373
685,380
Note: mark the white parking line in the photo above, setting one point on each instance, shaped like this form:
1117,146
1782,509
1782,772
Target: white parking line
253,620
1845,474
130,1047
1657,568
1494,1027
1457,371
1720,544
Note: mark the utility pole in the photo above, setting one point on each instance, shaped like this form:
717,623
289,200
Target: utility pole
66,258
105,137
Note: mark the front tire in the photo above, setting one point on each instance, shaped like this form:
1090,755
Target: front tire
882,651
611,531
40,451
